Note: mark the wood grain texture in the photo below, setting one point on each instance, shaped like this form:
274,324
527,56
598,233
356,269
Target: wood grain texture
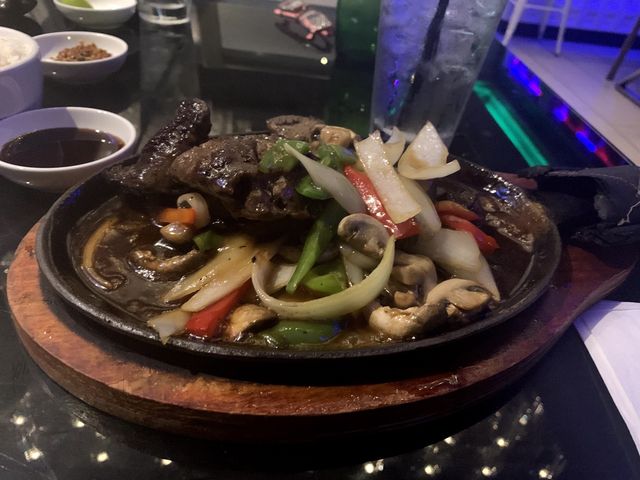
115,377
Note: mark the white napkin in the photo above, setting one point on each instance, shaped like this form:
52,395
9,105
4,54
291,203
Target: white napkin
611,333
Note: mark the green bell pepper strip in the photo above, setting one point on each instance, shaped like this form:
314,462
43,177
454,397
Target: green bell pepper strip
297,332
321,234
335,156
326,279
277,159
308,189
208,240
332,156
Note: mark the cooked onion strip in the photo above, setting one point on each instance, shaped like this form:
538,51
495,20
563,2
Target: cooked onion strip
280,276
431,172
483,277
357,258
231,254
332,181
355,274
219,287
346,301
89,253
428,219
425,151
451,249
169,323
396,200
394,147
225,282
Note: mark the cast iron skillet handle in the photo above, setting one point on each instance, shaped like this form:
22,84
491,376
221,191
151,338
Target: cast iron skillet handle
598,206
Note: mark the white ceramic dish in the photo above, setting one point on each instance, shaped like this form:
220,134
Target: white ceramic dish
105,14
80,72
57,179
20,82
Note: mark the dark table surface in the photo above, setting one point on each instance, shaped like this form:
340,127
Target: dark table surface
557,422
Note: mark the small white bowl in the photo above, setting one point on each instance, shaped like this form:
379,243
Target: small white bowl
57,179
80,72
105,14
20,82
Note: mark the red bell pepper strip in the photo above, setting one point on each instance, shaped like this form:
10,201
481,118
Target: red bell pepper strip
408,228
186,216
449,207
206,323
486,243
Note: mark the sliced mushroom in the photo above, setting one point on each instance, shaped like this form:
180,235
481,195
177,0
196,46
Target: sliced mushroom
409,322
337,135
167,268
245,318
364,233
177,233
293,127
449,304
465,295
405,299
415,271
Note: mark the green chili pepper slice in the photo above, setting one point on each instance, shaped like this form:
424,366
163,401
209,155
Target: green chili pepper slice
326,279
335,156
277,159
321,234
307,188
296,332
208,240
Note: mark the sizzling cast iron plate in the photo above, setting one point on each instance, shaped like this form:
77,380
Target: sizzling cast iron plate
56,265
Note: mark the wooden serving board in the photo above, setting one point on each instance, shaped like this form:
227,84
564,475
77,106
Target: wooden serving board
115,377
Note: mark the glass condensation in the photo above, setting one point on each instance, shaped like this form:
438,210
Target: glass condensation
428,57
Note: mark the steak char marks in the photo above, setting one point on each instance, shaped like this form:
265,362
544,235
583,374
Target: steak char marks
181,158
226,168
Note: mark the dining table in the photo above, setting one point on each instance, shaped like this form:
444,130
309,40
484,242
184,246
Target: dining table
555,421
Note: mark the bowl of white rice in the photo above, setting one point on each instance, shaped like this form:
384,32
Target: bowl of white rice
20,73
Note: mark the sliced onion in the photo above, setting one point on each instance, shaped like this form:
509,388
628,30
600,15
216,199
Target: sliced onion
234,251
229,279
89,252
280,276
428,219
347,301
483,277
398,203
332,181
169,323
219,287
431,172
355,274
357,258
394,147
451,249
426,150
199,204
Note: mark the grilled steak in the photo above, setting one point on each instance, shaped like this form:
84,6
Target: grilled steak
181,157
150,174
227,168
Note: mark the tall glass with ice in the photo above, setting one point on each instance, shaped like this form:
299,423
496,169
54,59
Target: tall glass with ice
428,57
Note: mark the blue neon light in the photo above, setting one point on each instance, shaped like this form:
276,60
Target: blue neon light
586,141
561,113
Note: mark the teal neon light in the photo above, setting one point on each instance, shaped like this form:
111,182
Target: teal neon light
507,121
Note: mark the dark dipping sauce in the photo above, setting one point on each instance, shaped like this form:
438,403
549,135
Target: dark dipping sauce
60,147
